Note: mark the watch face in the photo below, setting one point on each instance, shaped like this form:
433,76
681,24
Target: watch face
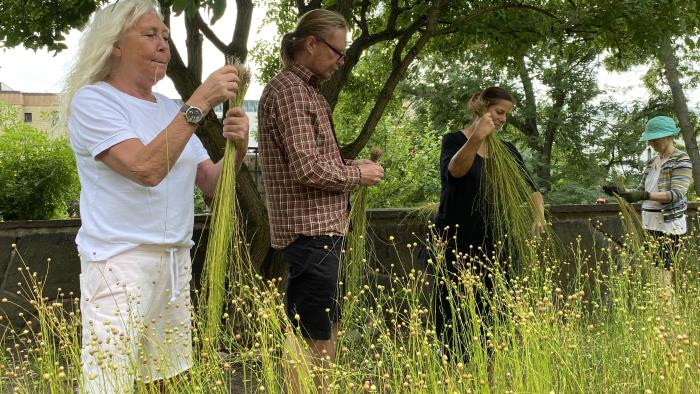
193,115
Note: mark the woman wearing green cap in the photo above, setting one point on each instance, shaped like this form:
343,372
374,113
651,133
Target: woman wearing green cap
664,186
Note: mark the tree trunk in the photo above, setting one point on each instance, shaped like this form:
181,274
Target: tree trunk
542,145
529,125
680,106
544,168
530,103
186,79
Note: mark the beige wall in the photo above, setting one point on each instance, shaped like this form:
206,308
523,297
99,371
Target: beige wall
41,106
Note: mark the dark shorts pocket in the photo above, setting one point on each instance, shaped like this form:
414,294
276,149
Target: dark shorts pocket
312,289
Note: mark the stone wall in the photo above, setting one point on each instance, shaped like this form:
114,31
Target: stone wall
47,247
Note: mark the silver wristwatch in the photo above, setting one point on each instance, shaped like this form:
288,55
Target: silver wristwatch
193,115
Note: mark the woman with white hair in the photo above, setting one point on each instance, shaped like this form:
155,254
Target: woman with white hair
138,162
664,187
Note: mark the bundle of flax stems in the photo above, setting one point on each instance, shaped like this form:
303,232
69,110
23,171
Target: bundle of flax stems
508,204
226,242
355,265
635,236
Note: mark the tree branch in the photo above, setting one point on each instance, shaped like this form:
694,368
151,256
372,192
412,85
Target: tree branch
362,22
344,8
209,34
303,8
239,42
668,57
553,123
331,88
194,48
177,71
397,73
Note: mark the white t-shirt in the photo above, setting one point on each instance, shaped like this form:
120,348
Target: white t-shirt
655,220
119,214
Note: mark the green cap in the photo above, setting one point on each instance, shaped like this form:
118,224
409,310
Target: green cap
659,127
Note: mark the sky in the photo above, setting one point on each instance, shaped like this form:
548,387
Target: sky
41,71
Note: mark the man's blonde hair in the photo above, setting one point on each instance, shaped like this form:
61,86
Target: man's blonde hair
318,23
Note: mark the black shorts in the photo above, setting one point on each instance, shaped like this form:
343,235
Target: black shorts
312,289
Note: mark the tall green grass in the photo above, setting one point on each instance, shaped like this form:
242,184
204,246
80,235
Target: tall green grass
607,327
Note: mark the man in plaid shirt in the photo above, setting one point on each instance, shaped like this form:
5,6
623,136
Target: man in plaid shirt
306,179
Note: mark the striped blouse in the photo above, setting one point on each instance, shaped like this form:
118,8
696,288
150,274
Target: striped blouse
674,179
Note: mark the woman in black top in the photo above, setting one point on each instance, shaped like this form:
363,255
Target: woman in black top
462,220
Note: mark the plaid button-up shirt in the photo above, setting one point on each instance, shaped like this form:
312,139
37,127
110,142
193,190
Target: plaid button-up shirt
306,179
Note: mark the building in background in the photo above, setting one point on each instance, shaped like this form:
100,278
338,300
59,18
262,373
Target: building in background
39,110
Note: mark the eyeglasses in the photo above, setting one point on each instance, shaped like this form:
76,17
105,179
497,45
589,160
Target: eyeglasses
340,54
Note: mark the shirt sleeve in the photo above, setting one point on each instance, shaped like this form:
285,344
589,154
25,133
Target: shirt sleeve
681,174
298,124
450,147
97,122
451,144
199,151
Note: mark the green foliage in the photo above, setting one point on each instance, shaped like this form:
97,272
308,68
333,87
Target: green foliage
38,178
216,8
441,88
411,157
634,30
200,203
566,191
42,24
359,94
266,53
411,144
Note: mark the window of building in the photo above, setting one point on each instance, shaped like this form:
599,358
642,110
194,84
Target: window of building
28,117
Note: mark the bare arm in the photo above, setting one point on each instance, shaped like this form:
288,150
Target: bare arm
539,222
538,204
148,164
463,160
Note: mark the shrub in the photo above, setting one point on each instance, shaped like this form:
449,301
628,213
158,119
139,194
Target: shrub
38,176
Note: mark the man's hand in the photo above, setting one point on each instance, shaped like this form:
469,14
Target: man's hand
237,127
370,173
611,190
635,195
221,85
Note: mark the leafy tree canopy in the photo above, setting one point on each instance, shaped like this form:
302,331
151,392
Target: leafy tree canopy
42,24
